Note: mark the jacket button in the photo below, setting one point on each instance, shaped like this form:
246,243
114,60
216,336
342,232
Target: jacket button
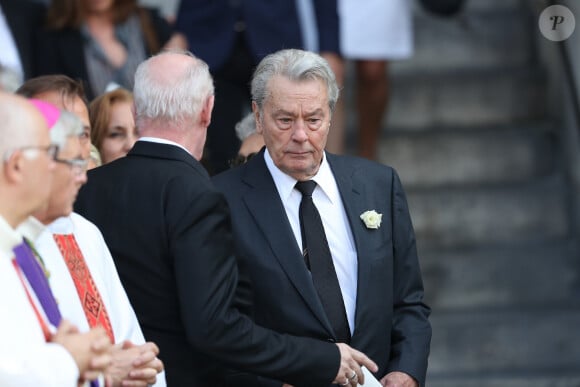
331,340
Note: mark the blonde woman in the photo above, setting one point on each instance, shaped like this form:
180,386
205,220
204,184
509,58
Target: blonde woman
113,126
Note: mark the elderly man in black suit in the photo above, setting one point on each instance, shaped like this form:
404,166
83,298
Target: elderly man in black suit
169,232
325,244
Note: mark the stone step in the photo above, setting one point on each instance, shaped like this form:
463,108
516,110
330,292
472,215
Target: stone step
466,97
464,216
528,379
476,38
502,276
511,341
492,5
470,6
484,155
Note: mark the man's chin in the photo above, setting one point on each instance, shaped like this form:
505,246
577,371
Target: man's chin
301,170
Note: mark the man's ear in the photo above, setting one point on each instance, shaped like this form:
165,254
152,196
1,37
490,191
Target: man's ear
257,117
12,167
205,116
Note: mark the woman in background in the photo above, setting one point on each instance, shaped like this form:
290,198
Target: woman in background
101,42
372,36
113,126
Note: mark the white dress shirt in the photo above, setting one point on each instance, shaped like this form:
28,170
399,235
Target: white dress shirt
163,141
102,268
327,200
26,359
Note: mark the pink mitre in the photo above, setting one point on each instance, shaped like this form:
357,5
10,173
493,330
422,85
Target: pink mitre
50,112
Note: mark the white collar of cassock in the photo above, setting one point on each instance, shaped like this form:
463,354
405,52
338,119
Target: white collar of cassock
9,238
31,228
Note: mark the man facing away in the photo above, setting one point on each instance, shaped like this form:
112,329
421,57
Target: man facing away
325,244
32,351
169,232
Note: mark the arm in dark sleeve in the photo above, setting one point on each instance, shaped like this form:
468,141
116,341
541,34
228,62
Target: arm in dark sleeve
47,55
161,27
206,274
328,26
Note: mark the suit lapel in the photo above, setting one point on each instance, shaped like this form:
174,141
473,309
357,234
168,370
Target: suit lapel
263,202
352,192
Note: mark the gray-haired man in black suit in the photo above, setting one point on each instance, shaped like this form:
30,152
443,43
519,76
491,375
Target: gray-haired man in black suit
358,280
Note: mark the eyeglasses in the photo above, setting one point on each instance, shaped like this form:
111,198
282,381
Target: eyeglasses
240,159
78,166
32,150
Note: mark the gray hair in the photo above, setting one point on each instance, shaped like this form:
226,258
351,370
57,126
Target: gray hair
171,99
246,127
296,65
67,125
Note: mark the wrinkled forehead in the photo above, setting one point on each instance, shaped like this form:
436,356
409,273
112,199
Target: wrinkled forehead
309,87
55,98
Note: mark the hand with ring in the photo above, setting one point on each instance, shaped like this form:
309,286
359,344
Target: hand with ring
351,362
353,378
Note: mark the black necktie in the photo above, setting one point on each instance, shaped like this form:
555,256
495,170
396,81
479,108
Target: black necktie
319,261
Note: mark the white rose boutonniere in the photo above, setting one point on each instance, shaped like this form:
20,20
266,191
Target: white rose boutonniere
371,219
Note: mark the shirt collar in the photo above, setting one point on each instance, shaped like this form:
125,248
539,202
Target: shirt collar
31,228
62,225
9,237
285,183
163,141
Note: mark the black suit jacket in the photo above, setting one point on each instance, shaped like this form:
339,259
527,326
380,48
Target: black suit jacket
269,26
24,18
168,230
391,321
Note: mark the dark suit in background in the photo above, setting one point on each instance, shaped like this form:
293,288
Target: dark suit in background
391,324
168,230
232,37
24,18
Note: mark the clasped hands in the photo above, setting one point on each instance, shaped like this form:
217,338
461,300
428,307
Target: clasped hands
124,364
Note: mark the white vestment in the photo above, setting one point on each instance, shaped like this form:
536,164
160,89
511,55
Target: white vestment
103,271
26,359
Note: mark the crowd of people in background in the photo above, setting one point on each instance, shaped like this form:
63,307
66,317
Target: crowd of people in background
172,170
100,44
